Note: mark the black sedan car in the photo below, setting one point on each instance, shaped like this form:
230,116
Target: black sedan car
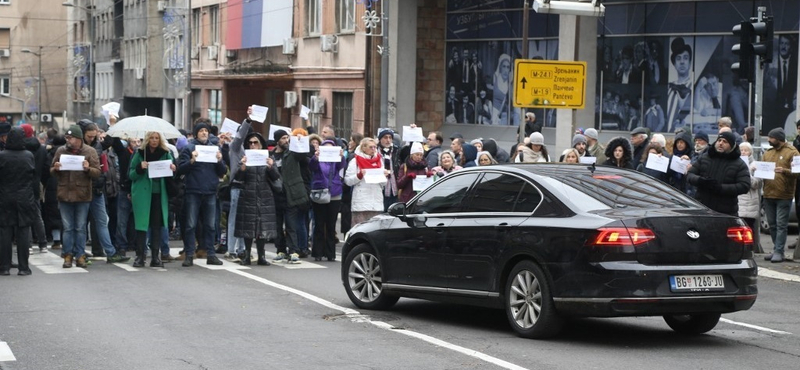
546,242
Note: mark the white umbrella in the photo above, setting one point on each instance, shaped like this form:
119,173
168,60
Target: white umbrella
139,126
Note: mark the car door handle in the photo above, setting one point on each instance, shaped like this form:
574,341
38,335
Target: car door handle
503,227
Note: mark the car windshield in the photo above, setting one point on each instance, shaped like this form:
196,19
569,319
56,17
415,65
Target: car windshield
603,190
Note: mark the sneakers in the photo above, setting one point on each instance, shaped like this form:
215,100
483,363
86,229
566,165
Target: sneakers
776,258
117,258
294,258
232,257
280,257
56,245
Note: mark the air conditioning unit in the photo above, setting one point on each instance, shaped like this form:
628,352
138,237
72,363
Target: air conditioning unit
46,118
288,46
139,72
230,54
317,104
329,43
289,99
213,50
162,6
5,53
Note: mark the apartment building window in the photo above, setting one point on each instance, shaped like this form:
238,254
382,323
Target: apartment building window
5,2
215,106
346,15
197,38
343,113
5,85
313,17
5,38
213,25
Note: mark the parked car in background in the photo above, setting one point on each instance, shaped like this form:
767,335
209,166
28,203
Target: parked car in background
765,225
546,242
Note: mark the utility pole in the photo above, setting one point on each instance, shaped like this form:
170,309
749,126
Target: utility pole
384,51
187,96
525,18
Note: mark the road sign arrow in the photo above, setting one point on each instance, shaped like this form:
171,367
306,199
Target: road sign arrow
524,81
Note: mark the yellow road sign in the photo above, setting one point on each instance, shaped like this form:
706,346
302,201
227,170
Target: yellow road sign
549,84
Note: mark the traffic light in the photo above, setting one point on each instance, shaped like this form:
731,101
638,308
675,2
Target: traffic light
764,30
744,49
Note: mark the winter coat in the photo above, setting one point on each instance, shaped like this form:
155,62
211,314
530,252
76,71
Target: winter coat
750,202
782,187
366,197
677,179
597,151
469,155
142,187
499,154
76,186
255,213
39,162
237,148
199,177
627,153
325,175
405,181
16,184
529,156
637,152
51,215
661,176
291,166
124,155
732,178
432,156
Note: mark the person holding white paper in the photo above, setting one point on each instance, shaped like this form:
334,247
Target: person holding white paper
236,152
255,217
149,197
778,193
721,176
653,150
415,165
325,177
367,198
750,202
682,149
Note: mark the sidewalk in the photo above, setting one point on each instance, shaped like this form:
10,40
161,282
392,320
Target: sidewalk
790,266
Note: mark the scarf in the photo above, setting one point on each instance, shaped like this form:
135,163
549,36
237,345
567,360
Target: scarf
364,162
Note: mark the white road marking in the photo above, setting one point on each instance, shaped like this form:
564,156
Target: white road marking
357,316
777,275
5,353
756,327
50,263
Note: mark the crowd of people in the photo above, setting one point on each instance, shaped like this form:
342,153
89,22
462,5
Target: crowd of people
85,184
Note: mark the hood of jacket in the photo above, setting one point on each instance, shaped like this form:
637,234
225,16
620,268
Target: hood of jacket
32,144
258,136
686,138
470,152
619,141
15,139
489,145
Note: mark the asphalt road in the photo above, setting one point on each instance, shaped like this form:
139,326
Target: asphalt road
111,316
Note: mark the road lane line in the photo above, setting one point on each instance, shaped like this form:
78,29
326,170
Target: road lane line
765,272
756,327
357,316
5,353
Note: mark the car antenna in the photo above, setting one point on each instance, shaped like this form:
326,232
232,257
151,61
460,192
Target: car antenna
592,168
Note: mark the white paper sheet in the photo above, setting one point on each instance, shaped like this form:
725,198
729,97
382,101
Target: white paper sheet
374,176
112,107
796,164
158,169
422,182
230,126
304,111
273,128
207,153
765,170
256,157
746,160
330,154
679,165
587,160
259,113
658,163
298,144
71,162
413,134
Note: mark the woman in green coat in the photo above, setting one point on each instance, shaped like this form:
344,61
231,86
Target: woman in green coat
149,197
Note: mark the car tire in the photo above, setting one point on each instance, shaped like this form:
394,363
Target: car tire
363,279
529,302
692,324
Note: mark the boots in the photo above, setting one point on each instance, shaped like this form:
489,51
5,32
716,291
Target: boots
261,260
155,260
67,261
188,261
81,262
246,260
141,254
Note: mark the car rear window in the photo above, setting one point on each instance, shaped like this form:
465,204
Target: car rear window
603,190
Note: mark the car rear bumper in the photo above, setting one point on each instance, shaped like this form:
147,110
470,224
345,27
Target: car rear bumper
611,307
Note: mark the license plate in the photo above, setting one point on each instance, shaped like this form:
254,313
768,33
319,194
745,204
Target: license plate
696,283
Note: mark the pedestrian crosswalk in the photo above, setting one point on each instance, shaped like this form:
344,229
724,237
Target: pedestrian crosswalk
50,263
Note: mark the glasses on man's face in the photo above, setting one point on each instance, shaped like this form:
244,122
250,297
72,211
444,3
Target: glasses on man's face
254,142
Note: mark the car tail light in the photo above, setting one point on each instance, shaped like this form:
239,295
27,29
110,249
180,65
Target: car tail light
622,236
741,234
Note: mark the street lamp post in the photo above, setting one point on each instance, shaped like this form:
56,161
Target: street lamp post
38,86
90,12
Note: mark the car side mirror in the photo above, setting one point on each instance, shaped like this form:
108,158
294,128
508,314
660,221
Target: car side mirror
398,210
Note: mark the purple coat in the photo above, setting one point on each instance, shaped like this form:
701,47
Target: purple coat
322,172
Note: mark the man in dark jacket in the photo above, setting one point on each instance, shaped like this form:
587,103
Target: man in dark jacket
639,141
41,167
17,201
291,201
201,180
721,175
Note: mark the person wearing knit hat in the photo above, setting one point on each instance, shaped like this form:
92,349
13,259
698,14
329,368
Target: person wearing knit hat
415,165
27,129
779,192
537,138
385,132
593,146
74,131
278,134
579,143
201,179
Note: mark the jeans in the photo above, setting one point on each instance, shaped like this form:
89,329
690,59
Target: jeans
100,222
200,208
73,217
301,228
286,240
235,245
778,218
124,209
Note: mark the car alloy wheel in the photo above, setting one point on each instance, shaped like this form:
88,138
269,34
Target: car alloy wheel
529,304
692,324
364,280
